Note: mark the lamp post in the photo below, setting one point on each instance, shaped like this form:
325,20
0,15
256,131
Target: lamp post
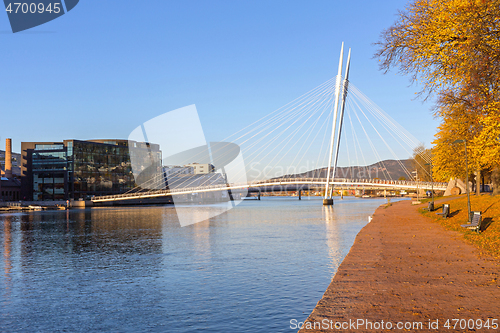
466,177
432,184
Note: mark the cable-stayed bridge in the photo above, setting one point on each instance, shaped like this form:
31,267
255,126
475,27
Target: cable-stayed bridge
310,135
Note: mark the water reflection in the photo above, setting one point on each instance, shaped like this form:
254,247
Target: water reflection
93,230
7,260
250,269
190,214
201,239
332,218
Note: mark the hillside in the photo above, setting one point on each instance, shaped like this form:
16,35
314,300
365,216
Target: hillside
388,169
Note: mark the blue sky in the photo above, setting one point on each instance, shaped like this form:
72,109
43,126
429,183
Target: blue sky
108,66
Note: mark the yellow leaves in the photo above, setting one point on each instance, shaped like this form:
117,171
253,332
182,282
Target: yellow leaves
453,47
434,35
486,145
448,157
480,129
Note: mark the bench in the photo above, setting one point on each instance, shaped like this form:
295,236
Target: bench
476,222
446,211
431,206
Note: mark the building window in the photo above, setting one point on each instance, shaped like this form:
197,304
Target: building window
49,147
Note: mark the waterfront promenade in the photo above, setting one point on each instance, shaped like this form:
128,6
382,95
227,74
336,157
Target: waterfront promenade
405,268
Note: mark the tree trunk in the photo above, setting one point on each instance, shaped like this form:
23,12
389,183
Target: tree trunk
482,182
495,180
478,182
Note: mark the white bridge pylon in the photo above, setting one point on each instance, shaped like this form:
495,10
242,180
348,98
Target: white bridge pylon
328,200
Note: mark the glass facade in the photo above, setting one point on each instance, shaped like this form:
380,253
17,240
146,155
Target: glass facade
49,174
49,147
82,169
99,169
147,165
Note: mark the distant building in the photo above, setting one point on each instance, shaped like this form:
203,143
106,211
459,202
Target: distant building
201,169
16,164
10,189
76,169
195,175
10,186
178,171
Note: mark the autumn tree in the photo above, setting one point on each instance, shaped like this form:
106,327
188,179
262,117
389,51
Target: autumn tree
449,157
452,48
444,43
421,162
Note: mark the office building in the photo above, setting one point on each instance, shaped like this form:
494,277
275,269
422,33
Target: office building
201,168
178,171
76,169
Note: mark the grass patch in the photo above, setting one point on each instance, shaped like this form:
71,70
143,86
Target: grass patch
388,204
488,241
429,199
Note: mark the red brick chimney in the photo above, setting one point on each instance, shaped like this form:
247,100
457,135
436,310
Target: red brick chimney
8,158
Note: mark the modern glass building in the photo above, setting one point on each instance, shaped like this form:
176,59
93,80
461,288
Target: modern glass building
75,169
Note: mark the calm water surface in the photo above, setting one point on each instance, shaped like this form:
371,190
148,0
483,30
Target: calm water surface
134,269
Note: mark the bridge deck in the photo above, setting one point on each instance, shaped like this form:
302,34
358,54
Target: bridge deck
343,183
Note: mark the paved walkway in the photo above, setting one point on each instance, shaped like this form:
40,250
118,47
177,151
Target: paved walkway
404,268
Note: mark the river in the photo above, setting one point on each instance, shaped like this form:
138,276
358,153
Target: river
134,269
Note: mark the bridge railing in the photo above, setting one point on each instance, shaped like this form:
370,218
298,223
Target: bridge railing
271,182
349,180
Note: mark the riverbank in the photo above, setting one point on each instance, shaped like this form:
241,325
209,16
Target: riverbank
22,205
403,268
488,242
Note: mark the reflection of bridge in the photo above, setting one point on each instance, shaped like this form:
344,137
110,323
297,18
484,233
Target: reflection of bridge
284,184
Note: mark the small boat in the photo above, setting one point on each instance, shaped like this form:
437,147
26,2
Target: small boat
33,207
